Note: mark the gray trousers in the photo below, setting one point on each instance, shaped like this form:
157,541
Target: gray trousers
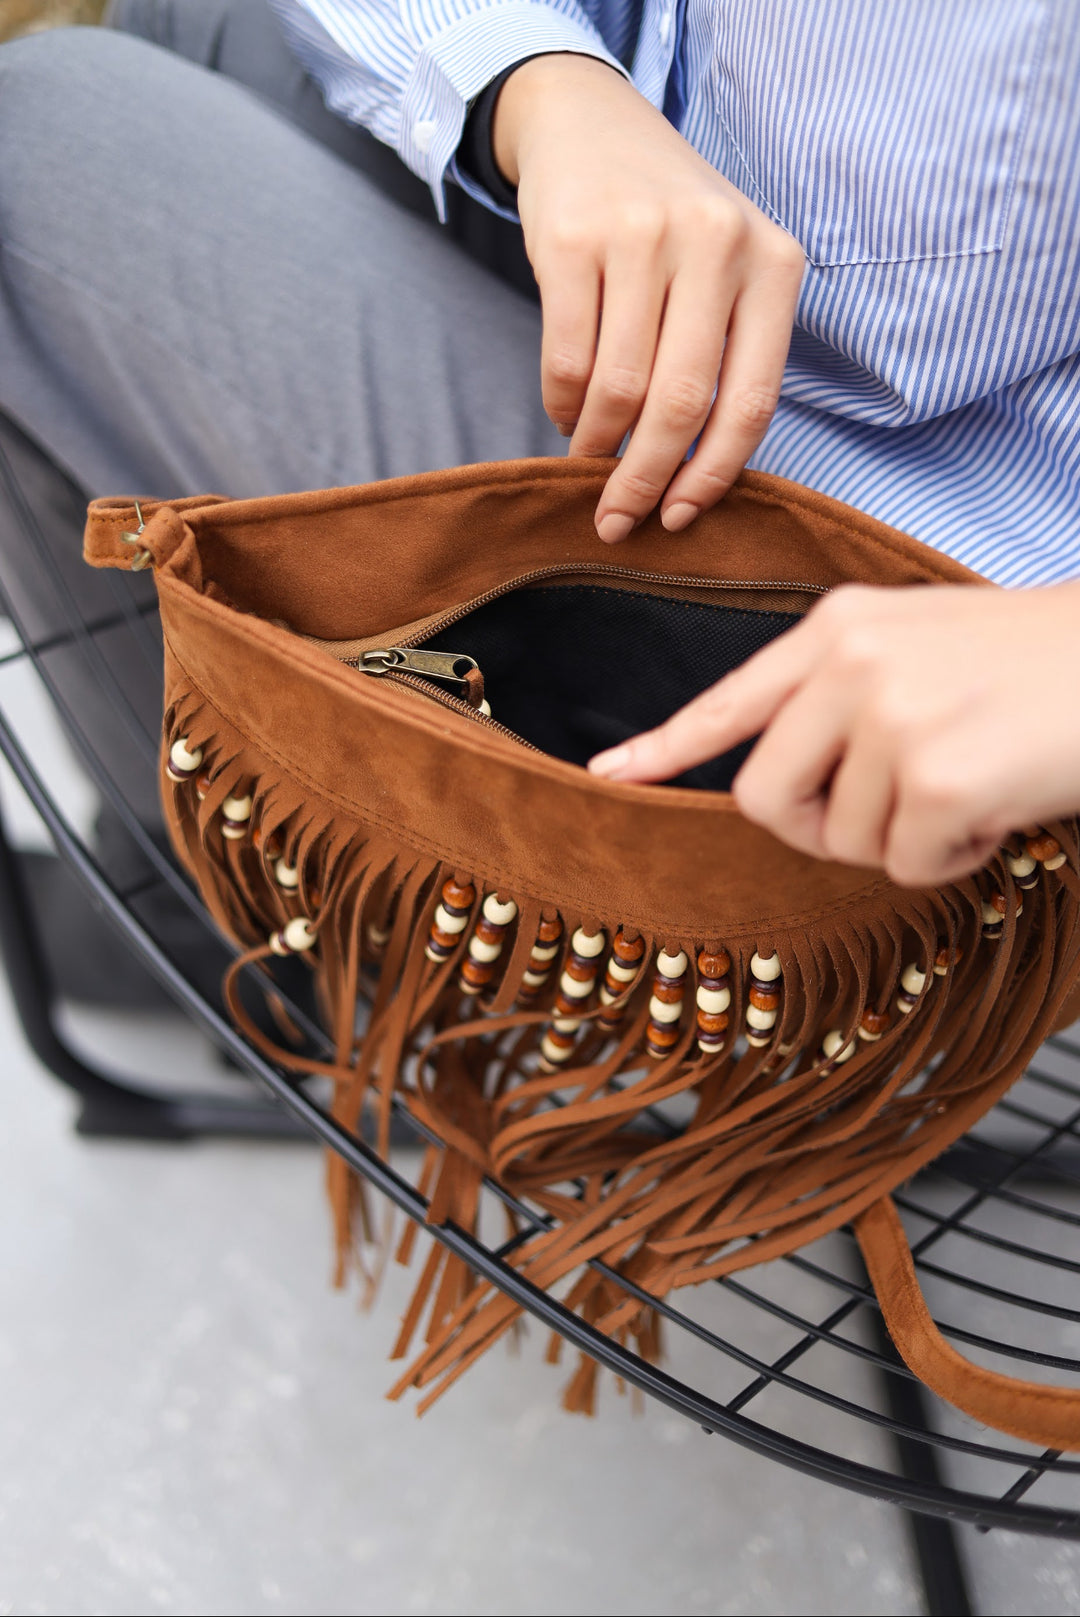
197,295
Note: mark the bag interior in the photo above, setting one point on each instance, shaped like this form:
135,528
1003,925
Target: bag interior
576,668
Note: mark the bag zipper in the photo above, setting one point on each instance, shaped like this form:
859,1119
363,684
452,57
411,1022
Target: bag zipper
406,663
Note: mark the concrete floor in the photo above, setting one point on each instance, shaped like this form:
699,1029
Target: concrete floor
191,1421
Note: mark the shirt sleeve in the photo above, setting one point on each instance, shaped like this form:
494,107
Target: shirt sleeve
408,70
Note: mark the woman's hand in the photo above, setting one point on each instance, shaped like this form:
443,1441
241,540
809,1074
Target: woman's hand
668,298
907,728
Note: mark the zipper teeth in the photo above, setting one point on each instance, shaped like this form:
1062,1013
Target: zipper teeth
684,580
456,704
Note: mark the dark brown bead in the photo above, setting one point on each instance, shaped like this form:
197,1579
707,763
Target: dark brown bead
667,991
489,931
764,1001
549,931
445,940
579,969
714,965
1043,847
628,953
203,784
948,957
712,1021
876,1021
997,900
662,1036
566,1006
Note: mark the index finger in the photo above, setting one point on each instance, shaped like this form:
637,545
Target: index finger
737,707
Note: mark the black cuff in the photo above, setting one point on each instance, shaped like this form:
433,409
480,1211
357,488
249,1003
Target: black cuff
475,157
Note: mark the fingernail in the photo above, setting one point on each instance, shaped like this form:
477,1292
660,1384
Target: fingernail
565,429
614,526
610,763
680,515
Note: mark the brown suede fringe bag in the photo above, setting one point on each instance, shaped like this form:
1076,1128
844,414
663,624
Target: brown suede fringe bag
547,959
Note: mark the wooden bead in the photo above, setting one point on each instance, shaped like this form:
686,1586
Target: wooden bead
202,786
587,945
237,809
873,1024
295,937
667,992
760,1020
475,975
233,832
497,913
183,761
549,931
1043,848
458,896
758,1039
482,951
573,988
1022,868
268,846
945,959
767,970
834,1049
764,1001
661,1037
713,1000
583,971
286,876
555,1049
912,980
377,936
1056,862
712,1022
664,1011
619,973
629,953
671,965
714,965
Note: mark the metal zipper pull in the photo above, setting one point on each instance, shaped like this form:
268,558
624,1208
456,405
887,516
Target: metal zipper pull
452,668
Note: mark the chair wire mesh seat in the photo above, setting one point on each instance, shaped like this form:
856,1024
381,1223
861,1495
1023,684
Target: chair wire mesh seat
791,1359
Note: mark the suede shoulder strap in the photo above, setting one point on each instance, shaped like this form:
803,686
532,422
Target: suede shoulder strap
1048,1416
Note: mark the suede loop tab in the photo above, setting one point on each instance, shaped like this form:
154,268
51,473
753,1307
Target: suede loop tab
691,1048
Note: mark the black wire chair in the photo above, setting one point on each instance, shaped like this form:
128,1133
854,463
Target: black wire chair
790,1360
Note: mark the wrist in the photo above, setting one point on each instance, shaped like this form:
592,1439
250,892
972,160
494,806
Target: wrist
528,88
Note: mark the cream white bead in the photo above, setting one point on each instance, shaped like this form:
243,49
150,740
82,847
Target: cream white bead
183,757
1020,865
499,914
533,979
584,944
713,1000
298,934
661,1011
286,875
621,973
834,1048
913,981
1056,862
552,1052
767,970
237,808
232,831
447,922
545,951
483,953
759,1019
868,1035
608,996
566,1024
574,989
485,708
671,965
990,915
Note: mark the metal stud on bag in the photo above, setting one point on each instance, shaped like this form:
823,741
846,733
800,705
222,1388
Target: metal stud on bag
143,557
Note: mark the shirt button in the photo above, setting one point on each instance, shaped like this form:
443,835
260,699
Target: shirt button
423,133
664,25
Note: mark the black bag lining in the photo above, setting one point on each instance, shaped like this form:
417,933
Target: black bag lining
577,668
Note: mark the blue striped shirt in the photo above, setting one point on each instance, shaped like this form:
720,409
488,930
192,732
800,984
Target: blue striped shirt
927,158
